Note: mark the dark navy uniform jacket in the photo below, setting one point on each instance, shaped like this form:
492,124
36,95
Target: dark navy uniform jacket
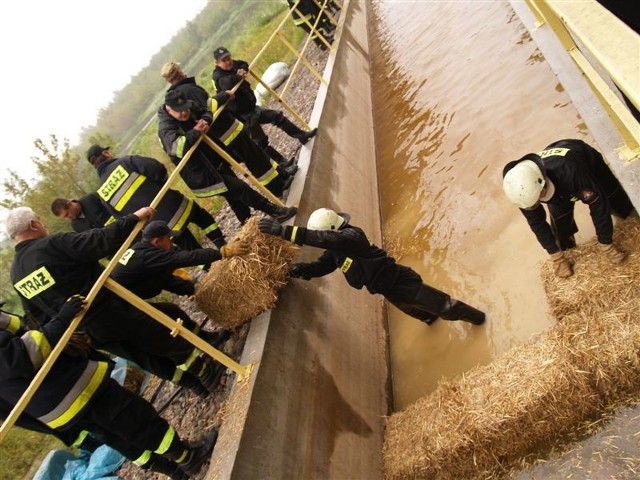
348,249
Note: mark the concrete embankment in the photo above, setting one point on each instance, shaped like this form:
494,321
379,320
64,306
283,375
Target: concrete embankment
315,402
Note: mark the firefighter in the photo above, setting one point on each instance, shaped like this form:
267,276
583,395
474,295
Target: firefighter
363,264
207,174
228,73
563,173
149,267
84,213
133,181
47,269
229,133
78,394
305,14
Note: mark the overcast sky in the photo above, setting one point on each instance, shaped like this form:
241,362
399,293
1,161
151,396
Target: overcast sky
64,59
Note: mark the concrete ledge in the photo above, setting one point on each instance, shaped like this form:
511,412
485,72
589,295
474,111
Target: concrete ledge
319,391
608,139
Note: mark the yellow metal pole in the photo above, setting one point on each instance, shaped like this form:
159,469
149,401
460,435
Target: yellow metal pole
176,328
241,168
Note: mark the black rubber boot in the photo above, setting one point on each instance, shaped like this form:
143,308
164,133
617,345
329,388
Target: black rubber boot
291,129
458,310
215,339
166,467
210,377
276,156
194,385
304,138
199,454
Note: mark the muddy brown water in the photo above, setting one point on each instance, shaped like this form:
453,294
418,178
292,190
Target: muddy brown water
460,89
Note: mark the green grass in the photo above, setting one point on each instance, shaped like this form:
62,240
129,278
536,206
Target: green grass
23,452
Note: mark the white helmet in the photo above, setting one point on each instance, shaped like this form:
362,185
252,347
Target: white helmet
524,183
326,219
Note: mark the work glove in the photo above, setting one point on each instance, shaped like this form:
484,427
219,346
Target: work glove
270,226
612,253
183,274
296,271
561,266
79,345
235,248
71,308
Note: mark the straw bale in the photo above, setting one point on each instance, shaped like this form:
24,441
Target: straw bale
538,397
237,289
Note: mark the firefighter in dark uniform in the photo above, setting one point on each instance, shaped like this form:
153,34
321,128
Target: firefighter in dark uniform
207,174
12,324
365,265
226,75
84,213
47,269
133,181
78,394
309,10
229,133
563,173
149,266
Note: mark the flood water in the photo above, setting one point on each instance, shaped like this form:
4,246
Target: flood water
459,90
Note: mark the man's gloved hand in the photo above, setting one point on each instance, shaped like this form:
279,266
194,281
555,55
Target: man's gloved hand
295,271
612,253
79,345
235,248
71,308
561,266
270,226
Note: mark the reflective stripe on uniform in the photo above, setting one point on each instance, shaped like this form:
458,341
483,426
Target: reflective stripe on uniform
210,191
294,232
78,441
120,186
268,176
301,20
129,188
10,323
177,147
232,132
189,361
211,228
78,397
143,459
166,441
179,219
38,347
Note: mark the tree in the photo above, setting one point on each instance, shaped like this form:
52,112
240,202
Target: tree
61,173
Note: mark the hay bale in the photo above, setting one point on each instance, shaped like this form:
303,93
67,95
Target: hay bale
237,289
537,397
